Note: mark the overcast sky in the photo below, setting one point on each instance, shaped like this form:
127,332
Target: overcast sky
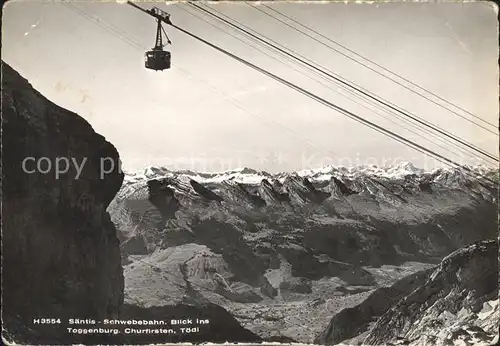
212,113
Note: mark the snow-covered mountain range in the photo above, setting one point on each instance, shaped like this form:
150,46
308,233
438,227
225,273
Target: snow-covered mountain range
250,176
307,243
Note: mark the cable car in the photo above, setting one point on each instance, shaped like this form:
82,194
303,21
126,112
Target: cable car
157,58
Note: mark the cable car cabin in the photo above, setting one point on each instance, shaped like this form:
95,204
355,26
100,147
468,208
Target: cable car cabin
157,60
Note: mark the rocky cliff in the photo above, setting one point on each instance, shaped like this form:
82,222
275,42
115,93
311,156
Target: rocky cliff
457,304
454,303
61,255
350,324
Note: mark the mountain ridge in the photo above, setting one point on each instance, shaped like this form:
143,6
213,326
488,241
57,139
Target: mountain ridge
389,171
248,239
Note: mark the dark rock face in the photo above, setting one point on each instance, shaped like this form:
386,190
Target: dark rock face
135,246
162,197
269,193
221,326
351,322
446,307
61,255
204,192
316,195
344,190
255,199
436,306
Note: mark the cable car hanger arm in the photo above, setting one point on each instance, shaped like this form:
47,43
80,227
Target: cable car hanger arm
154,12
165,33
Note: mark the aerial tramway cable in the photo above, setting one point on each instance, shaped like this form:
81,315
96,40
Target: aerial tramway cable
351,115
321,100
464,150
427,131
122,35
329,74
349,84
372,62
